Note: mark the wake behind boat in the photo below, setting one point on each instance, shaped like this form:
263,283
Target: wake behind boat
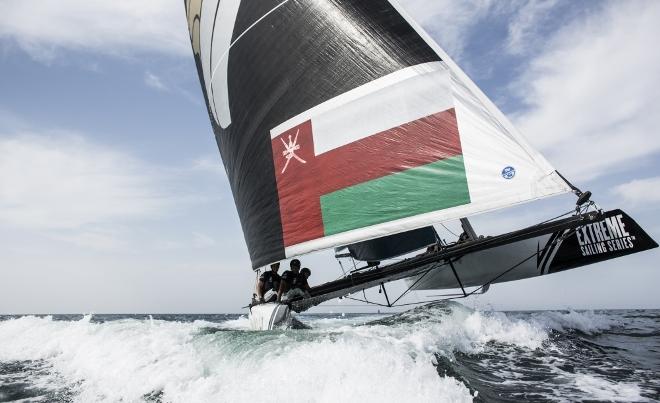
344,125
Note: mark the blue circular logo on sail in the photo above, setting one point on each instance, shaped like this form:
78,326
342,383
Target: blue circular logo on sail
508,172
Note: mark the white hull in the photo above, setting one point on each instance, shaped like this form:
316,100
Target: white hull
269,316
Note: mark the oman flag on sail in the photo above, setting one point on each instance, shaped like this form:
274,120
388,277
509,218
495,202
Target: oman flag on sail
382,152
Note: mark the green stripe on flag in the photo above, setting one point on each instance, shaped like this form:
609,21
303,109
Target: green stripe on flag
436,186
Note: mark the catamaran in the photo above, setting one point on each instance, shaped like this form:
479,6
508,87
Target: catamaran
342,124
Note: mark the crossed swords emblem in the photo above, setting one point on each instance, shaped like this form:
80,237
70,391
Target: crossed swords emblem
290,149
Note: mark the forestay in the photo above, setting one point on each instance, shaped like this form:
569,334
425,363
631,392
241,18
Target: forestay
340,121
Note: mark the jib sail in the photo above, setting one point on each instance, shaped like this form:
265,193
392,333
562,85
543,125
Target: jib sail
341,121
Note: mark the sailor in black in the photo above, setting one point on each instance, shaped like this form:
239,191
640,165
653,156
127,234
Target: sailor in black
269,284
301,280
299,288
289,278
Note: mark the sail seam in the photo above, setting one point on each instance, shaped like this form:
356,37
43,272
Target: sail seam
212,98
226,52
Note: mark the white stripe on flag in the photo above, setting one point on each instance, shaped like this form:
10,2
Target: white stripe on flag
390,101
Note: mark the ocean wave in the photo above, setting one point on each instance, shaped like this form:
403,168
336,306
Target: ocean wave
440,352
588,322
173,361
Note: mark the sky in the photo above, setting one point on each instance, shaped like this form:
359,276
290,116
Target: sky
113,198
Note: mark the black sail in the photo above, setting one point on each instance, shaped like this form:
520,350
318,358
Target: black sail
285,58
341,121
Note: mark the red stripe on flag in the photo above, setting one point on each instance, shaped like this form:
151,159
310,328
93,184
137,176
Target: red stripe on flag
300,185
410,145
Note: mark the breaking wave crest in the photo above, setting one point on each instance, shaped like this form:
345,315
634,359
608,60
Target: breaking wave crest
428,354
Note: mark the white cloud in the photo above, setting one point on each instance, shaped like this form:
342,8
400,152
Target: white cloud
594,92
65,188
196,240
119,27
98,239
640,191
210,164
64,182
525,24
201,240
153,81
449,21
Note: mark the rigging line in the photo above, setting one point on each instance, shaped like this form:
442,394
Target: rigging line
422,276
450,231
445,295
224,54
382,286
457,278
569,212
367,302
503,273
562,237
429,302
342,267
341,305
458,295
406,304
413,284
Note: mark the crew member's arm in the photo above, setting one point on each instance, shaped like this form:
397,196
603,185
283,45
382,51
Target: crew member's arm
282,290
261,286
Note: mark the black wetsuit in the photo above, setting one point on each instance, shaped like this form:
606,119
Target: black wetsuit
300,282
289,277
271,281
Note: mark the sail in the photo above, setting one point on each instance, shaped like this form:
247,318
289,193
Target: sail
394,245
341,121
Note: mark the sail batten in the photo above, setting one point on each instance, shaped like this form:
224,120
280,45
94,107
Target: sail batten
342,121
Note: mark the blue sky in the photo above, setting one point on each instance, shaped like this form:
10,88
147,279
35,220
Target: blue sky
112,195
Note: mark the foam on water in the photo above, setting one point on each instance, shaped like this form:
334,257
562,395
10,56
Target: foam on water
339,359
604,390
128,359
585,321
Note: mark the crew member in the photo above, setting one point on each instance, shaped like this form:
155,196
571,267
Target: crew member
288,278
269,284
301,280
300,287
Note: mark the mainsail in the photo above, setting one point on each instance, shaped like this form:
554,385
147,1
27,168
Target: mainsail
340,121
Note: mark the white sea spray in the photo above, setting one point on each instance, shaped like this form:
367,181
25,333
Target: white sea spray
200,362
342,358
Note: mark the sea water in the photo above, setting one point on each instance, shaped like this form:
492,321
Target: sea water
440,353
